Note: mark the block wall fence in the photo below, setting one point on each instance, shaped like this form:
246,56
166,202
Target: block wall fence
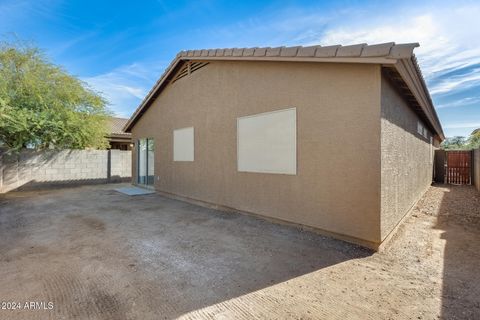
30,169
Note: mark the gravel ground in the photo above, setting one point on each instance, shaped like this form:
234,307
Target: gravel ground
97,254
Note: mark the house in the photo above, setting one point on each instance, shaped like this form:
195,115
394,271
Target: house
117,138
339,139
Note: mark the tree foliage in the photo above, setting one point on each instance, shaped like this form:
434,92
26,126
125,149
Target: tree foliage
462,143
42,106
474,139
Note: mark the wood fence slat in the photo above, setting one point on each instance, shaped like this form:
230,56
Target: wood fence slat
459,167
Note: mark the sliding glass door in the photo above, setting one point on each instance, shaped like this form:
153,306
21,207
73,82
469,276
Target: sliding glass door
145,160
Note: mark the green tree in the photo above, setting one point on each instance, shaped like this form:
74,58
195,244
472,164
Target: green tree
462,143
454,143
474,139
42,106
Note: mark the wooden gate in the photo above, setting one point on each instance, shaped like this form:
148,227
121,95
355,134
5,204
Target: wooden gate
458,167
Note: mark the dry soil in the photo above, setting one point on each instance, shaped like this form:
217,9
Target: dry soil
98,254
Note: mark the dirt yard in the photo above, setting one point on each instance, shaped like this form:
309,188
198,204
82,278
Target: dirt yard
93,253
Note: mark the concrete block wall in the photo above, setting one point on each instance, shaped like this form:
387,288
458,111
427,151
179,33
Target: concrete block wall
476,168
120,165
33,169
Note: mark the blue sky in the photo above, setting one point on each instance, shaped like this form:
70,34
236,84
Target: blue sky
121,48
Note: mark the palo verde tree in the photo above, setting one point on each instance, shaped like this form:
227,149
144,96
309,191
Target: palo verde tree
42,106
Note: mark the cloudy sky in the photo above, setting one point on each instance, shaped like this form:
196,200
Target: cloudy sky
121,48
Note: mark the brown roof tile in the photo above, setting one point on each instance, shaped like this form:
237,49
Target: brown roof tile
237,52
350,51
377,50
260,52
326,52
388,50
400,51
273,52
307,51
248,52
116,125
289,51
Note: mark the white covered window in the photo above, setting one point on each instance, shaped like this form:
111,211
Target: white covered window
419,128
422,130
183,144
267,142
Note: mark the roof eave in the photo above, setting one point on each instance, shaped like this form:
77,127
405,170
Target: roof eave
369,60
412,76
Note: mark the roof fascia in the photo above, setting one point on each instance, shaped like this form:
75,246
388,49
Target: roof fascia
369,60
414,81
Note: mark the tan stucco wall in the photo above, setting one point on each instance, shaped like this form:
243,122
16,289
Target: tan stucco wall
407,165
337,186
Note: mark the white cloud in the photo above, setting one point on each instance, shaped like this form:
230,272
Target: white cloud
463,82
417,29
462,125
126,86
449,40
460,103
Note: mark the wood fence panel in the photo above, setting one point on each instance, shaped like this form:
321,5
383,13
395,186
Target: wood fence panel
459,167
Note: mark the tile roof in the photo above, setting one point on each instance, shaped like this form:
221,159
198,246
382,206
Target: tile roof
384,54
385,50
116,125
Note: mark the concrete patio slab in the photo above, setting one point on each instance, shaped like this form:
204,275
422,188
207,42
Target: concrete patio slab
134,191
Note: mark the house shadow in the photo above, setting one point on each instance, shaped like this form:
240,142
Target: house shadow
210,256
459,219
69,183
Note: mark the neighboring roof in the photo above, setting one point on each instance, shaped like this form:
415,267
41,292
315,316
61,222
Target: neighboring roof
116,127
399,57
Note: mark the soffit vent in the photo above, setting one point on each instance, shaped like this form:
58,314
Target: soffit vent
188,68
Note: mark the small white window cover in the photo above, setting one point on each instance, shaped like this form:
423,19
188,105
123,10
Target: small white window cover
267,142
183,144
419,127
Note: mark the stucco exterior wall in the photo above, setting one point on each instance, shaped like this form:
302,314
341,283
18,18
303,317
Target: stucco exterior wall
337,185
407,159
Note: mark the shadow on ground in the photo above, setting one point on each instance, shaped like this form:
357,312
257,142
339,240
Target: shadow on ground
96,253
459,219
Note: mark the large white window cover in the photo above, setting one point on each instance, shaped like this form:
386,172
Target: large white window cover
267,142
